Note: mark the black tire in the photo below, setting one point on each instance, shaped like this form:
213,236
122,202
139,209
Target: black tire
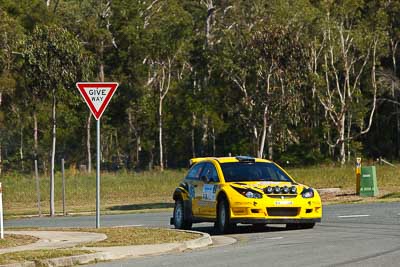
294,226
180,220
306,225
223,224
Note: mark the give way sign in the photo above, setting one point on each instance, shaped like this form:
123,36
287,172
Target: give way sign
97,95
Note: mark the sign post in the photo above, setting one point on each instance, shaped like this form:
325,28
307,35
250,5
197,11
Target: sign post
97,96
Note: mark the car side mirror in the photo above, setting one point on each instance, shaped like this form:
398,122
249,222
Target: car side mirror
205,179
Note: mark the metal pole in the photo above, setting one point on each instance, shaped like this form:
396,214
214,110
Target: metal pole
38,187
1,214
98,176
63,185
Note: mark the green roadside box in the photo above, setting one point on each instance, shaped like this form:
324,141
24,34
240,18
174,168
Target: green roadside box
368,184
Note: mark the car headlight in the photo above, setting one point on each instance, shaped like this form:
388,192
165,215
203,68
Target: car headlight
251,194
247,192
307,193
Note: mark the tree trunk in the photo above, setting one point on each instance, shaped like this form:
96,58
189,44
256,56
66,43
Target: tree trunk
214,141
255,140
88,146
260,153
160,131
270,142
394,46
53,155
204,138
341,140
138,149
209,19
193,135
348,137
21,146
1,159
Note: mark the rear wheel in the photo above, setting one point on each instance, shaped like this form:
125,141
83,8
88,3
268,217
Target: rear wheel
223,224
180,220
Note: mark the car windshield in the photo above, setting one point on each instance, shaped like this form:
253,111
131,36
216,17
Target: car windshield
253,171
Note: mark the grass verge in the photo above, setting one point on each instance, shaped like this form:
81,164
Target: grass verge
130,236
152,190
16,240
37,255
116,236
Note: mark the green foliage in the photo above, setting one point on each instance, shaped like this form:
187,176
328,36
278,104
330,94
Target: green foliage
232,65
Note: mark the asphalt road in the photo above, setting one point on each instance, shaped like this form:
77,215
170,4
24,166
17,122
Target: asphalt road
350,235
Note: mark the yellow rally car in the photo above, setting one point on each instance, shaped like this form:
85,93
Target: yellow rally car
245,190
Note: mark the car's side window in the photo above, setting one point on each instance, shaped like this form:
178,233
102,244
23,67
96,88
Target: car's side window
214,174
210,172
194,173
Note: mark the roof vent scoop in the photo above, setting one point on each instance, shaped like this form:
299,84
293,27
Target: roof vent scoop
245,159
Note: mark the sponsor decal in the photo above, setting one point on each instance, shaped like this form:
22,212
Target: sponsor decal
209,192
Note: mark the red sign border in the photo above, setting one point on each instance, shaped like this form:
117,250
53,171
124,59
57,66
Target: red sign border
81,87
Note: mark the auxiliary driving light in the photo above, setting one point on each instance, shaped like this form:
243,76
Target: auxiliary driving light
293,189
277,189
268,190
285,189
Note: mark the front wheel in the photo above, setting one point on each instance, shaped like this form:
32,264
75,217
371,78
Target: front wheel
180,221
223,223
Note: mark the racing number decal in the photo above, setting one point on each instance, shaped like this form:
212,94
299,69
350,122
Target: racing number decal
209,192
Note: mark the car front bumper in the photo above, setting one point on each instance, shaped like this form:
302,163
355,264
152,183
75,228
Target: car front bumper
274,221
276,211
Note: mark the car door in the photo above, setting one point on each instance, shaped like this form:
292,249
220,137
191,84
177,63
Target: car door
194,186
207,202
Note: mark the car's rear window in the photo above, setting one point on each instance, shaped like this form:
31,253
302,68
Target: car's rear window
253,171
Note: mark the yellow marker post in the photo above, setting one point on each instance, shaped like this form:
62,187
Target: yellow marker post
358,175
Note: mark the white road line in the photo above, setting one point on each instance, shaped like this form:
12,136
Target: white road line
128,225
354,216
275,238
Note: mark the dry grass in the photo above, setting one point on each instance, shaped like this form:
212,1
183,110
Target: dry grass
129,236
152,190
125,236
344,177
16,240
37,255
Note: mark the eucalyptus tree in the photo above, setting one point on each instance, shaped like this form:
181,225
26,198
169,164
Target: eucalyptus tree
350,50
168,29
54,61
11,40
263,60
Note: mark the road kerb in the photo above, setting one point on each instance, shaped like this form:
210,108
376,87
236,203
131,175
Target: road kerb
115,253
